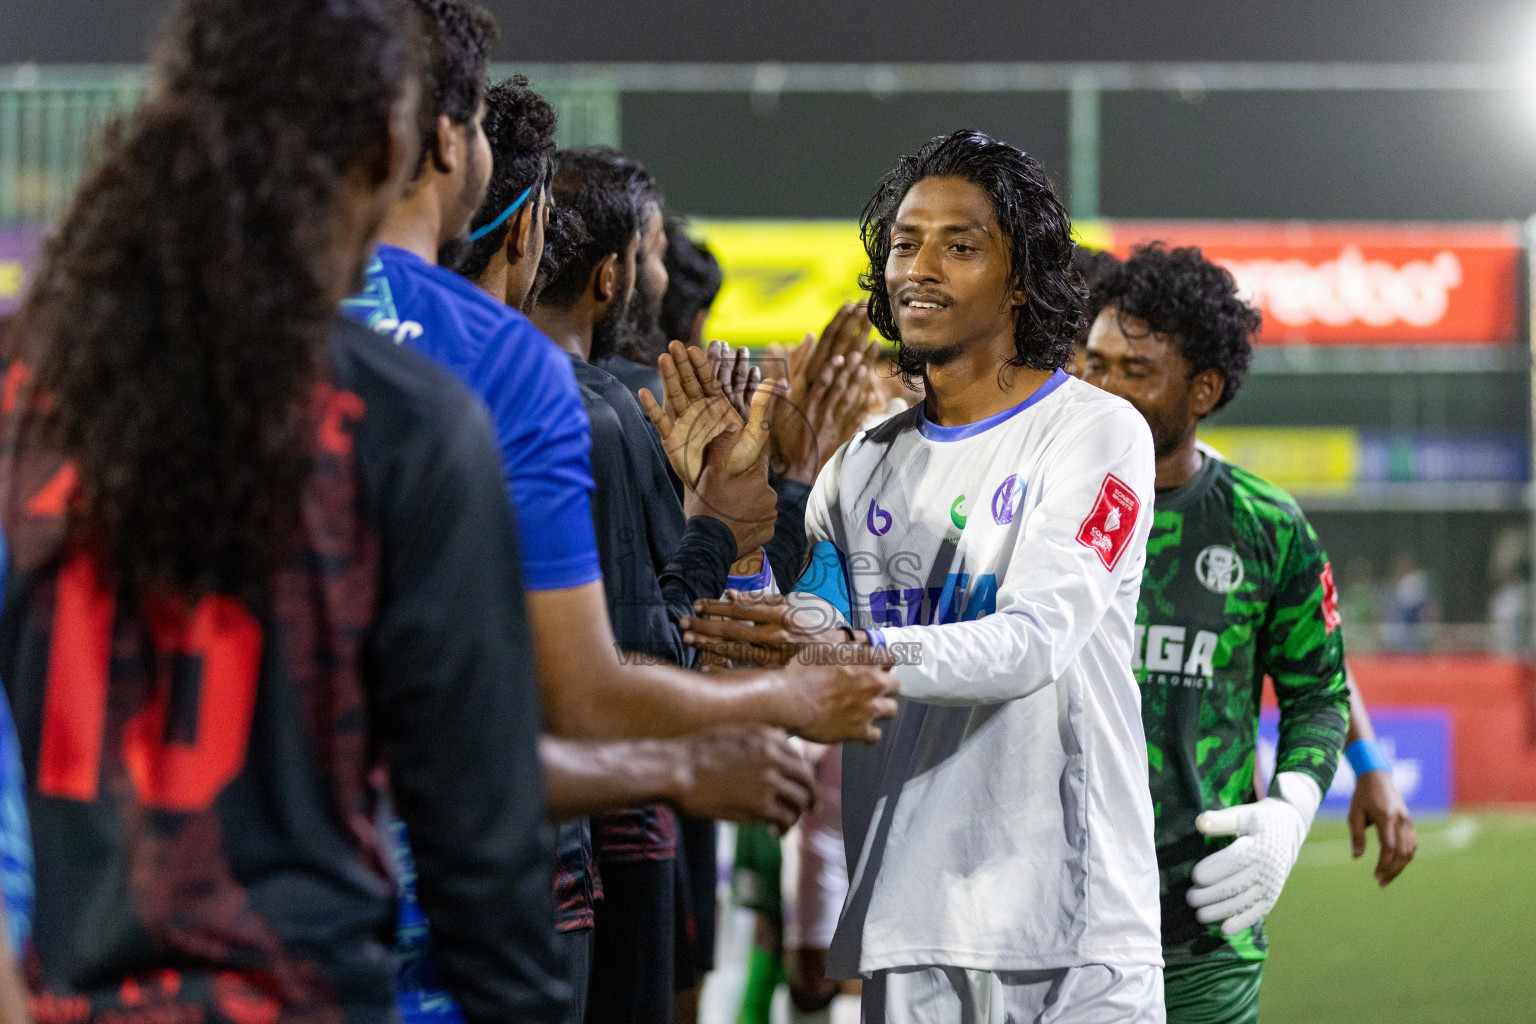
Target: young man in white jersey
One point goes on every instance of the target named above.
(999, 837)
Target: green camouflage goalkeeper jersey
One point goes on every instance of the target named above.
(1236, 587)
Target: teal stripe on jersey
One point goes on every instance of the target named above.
(827, 577)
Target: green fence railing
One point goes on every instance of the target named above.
(51, 120)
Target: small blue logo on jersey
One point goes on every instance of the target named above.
(1005, 500)
(878, 520)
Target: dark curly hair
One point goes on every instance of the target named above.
(605, 193)
(457, 37)
(564, 237)
(693, 280)
(520, 126)
(1036, 225)
(1186, 297)
(1095, 265)
(179, 318)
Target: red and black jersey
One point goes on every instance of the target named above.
(204, 779)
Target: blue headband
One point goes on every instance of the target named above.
(499, 221)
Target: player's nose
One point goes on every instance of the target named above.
(925, 265)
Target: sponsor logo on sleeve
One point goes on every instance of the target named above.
(1111, 522)
(1331, 617)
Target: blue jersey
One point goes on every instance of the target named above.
(527, 384)
(15, 833)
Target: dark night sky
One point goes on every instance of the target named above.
(746, 30)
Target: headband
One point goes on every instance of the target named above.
(499, 221)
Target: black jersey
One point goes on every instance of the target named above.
(656, 563)
(204, 781)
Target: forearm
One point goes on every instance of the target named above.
(1313, 724)
(13, 991)
(590, 693)
(1359, 718)
(585, 778)
(698, 569)
(786, 551)
(1005, 656)
(616, 701)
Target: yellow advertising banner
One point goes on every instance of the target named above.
(13, 273)
(1310, 460)
(782, 278)
(786, 277)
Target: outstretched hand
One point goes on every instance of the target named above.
(1377, 802)
(747, 773)
(1239, 884)
(840, 703)
(736, 374)
(697, 410)
(733, 486)
(829, 380)
(763, 629)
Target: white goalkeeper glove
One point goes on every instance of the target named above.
(1240, 884)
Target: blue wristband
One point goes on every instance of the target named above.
(1366, 756)
(749, 584)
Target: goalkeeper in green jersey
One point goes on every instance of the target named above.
(1236, 587)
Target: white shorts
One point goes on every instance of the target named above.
(1093, 994)
(820, 881)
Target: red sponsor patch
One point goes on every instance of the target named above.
(1110, 524)
(1331, 617)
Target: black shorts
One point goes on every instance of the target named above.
(633, 944)
(577, 946)
(696, 906)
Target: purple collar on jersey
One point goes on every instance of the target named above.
(934, 432)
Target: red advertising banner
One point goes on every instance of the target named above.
(1362, 284)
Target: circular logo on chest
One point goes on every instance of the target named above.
(1219, 569)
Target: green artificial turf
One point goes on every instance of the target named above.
(1453, 939)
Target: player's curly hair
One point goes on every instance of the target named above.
(180, 315)
(1036, 225)
(456, 39)
(599, 196)
(1183, 295)
(1094, 265)
(564, 236)
(520, 126)
(693, 280)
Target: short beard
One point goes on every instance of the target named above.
(609, 329)
(471, 198)
(453, 251)
(914, 362)
(1167, 434)
(640, 338)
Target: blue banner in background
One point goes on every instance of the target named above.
(1416, 740)
(1441, 458)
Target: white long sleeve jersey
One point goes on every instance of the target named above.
(1003, 822)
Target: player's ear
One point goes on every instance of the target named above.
(402, 155)
(1018, 297)
(605, 278)
(520, 231)
(448, 146)
(1205, 390)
